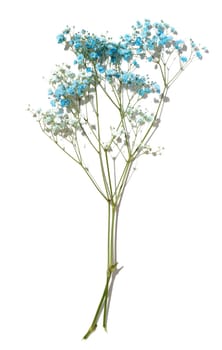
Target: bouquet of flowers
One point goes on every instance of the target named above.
(107, 139)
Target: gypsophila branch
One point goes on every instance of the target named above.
(115, 73)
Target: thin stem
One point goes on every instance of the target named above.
(93, 326)
(175, 77)
(112, 254)
(93, 181)
(112, 232)
(121, 180)
(111, 267)
(108, 172)
(108, 237)
(109, 97)
(114, 172)
(106, 302)
(88, 138)
(100, 146)
(124, 180)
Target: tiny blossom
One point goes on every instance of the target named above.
(53, 103)
(140, 121)
(71, 90)
(183, 58)
(198, 54)
(178, 44)
(66, 30)
(60, 38)
(156, 87)
(112, 73)
(143, 92)
(60, 111)
(136, 64)
(48, 119)
(80, 58)
(65, 102)
(101, 69)
(60, 91)
(93, 55)
(127, 37)
(57, 120)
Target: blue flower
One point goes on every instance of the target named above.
(93, 55)
(156, 87)
(113, 59)
(66, 30)
(173, 30)
(50, 92)
(70, 90)
(77, 45)
(80, 58)
(60, 91)
(81, 88)
(91, 43)
(65, 102)
(159, 27)
(198, 54)
(150, 44)
(127, 56)
(139, 51)
(88, 69)
(127, 37)
(136, 64)
(138, 41)
(127, 78)
(126, 53)
(183, 58)
(60, 38)
(53, 103)
(112, 73)
(138, 24)
(100, 68)
(178, 44)
(111, 49)
(164, 39)
(144, 91)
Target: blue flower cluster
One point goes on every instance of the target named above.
(91, 48)
(100, 59)
(153, 41)
(150, 41)
(67, 89)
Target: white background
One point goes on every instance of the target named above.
(53, 223)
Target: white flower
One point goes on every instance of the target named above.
(57, 120)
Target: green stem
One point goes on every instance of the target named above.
(100, 147)
(108, 172)
(93, 326)
(106, 301)
(111, 267)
